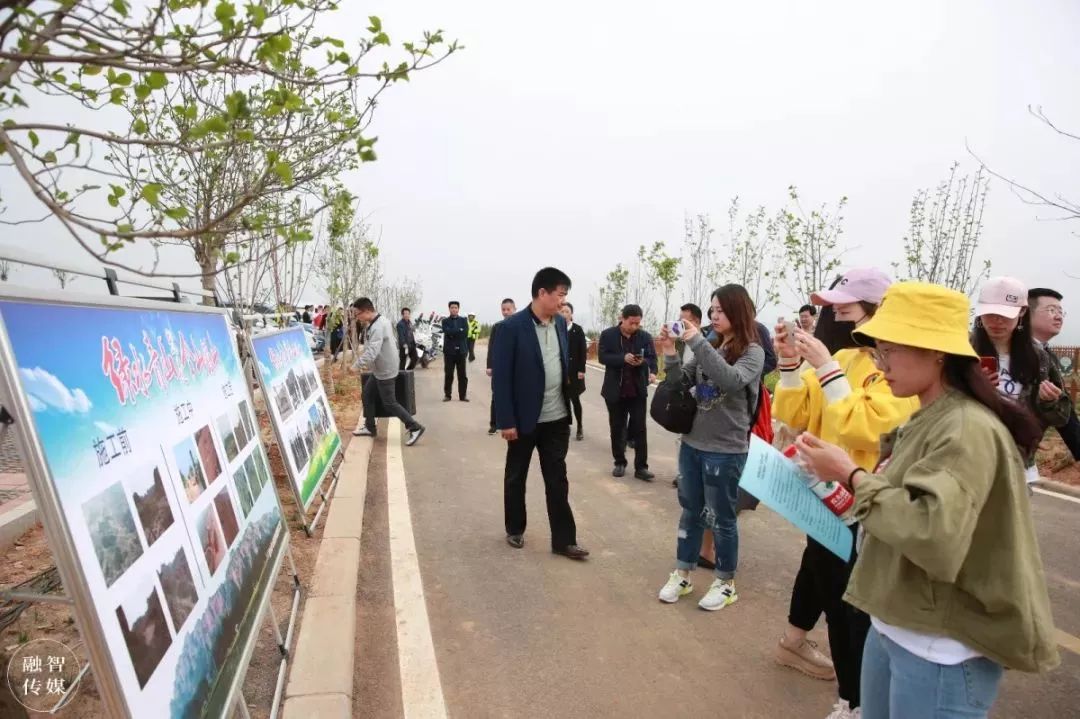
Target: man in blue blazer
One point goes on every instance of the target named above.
(530, 373)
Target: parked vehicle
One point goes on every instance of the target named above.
(429, 341)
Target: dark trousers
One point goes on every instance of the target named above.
(336, 338)
(819, 587)
(385, 390)
(407, 352)
(575, 402)
(492, 424)
(1070, 434)
(450, 363)
(551, 440)
(472, 348)
(627, 420)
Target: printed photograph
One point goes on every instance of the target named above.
(245, 417)
(263, 468)
(191, 474)
(282, 399)
(151, 504)
(238, 428)
(298, 448)
(224, 429)
(178, 586)
(309, 437)
(324, 415)
(312, 382)
(243, 490)
(227, 515)
(146, 633)
(112, 532)
(294, 388)
(213, 544)
(253, 477)
(209, 454)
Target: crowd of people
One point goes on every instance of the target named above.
(930, 423)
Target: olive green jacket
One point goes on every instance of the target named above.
(950, 544)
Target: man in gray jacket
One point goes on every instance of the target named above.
(380, 357)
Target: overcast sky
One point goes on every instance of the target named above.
(571, 133)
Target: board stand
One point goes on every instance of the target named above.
(326, 494)
(284, 643)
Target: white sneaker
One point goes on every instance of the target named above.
(363, 432)
(414, 435)
(720, 594)
(677, 586)
(842, 710)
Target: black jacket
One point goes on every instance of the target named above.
(613, 357)
(491, 342)
(455, 335)
(579, 348)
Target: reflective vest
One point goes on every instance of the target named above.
(474, 329)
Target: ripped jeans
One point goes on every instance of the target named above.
(708, 494)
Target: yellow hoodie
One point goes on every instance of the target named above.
(846, 402)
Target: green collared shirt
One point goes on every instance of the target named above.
(554, 406)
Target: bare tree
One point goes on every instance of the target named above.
(662, 270)
(64, 278)
(5, 270)
(699, 257)
(944, 233)
(748, 254)
(812, 249)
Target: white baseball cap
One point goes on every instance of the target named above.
(1005, 296)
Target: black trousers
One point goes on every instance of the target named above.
(551, 440)
(450, 363)
(407, 352)
(627, 420)
(1070, 434)
(472, 350)
(575, 402)
(819, 587)
(492, 424)
(386, 391)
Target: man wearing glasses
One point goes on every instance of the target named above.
(1047, 319)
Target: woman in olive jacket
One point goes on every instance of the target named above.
(949, 571)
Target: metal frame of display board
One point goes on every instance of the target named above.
(15, 404)
(327, 492)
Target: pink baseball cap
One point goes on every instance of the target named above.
(867, 284)
(1005, 296)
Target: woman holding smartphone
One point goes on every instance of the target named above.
(724, 374)
(1021, 370)
(949, 571)
(844, 399)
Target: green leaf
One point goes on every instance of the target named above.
(118, 190)
(121, 7)
(139, 126)
(117, 95)
(225, 12)
(150, 192)
(245, 136)
(33, 139)
(142, 91)
(157, 80)
(176, 213)
(367, 155)
(284, 172)
(256, 14)
(123, 79)
(376, 24)
(381, 39)
(113, 201)
(50, 158)
(91, 70)
(231, 258)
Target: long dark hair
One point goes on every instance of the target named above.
(1023, 359)
(965, 375)
(736, 303)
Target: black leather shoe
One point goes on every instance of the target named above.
(491, 430)
(580, 434)
(516, 541)
(619, 471)
(446, 399)
(573, 552)
(644, 475)
(464, 399)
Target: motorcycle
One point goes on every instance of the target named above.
(428, 336)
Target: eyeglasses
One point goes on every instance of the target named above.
(1052, 311)
(881, 357)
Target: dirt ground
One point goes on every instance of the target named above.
(1055, 462)
(31, 555)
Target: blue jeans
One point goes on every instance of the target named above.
(896, 684)
(708, 494)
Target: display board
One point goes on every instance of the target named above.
(299, 410)
(136, 423)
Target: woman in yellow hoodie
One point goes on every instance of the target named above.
(844, 399)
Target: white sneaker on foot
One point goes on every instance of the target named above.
(363, 432)
(677, 586)
(414, 435)
(720, 594)
(842, 710)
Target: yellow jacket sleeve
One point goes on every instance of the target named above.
(797, 400)
(868, 409)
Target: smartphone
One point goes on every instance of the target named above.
(790, 327)
(989, 364)
(676, 328)
(641, 352)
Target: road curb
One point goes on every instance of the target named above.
(1059, 487)
(318, 687)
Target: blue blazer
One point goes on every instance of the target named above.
(517, 371)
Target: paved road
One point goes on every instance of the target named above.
(525, 633)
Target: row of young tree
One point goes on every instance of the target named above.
(221, 128)
(781, 256)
